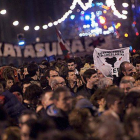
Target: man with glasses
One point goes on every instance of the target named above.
(57, 82)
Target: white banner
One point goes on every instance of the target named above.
(112, 58)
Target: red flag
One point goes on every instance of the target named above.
(62, 44)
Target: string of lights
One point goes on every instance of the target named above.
(110, 3)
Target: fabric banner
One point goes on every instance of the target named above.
(112, 58)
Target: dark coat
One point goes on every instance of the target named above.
(12, 106)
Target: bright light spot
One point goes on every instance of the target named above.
(118, 24)
(44, 26)
(125, 12)
(130, 48)
(26, 28)
(72, 17)
(82, 12)
(21, 43)
(104, 11)
(15, 23)
(82, 18)
(3, 12)
(126, 35)
(105, 27)
(36, 28)
(124, 17)
(50, 24)
(102, 20)
(38, 40)
(55, 23)
(125, 5)
(87, 17)
(137, 34)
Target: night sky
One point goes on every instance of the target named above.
(32, 13)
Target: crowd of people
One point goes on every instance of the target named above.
(70, 100)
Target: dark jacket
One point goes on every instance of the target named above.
(12, 106)
(59, 117)
(86, 92)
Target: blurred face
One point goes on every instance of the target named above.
(129, 70)
(93, 79)
(61, 82)
(71, 66)
(25, 72)
(100, 75)
(46, 101)
(25, 86)
(9, 83)
(125, 87)
(19, 96)
(53, 74)
(25, 131)
(136, 129)
(72, 76)
(117, 106)
(64, 102)
(138, 68)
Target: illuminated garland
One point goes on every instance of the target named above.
(110, 3)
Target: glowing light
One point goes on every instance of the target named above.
(125, 5)
(36, 28)
(102, 20)
(104, 11)
(3, 12)
(55, 23)
(50, 24)
(105, 7)
(125, 12)
(105, 27)
(130, 48)
(45, 26)
(87, 17)
(21, 43)
(82, 12)
(26, 28)
(137, 34)
(118, 24)
(15, 23)
(126, 35)
(134, 51)
(72, 17)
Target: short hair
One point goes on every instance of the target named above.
(113, 94)
(3, 83)
(57, 92)
(133, 116)
(98, 95)
(70, 60)
(47, 72)
(16, 88)
(103, 82)
(122, 67)
(88, 73)
(67, 74)
(127, 82)
(33, 93)
(32, 69)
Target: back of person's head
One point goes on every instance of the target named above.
(88, 73)
(32, 69)
(104, 83)
(57, 92)
(11, 133)
(33, 93)
(132, 123)
(113, 94)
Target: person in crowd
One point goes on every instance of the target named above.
(73, 82)
(126, 86)
(11, 133)
(32, 96)
(57, 82)
(25, 84)
(105, 83)
(25, 71)
(91, 79)
(72, 66)
(50, 74)
(98, 100)
(25, 116)
(9, 82)
(132, 124)
(33, 72)
(114, 100)
(59, 111)
(129, 78)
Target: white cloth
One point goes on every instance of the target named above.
(112, 58)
